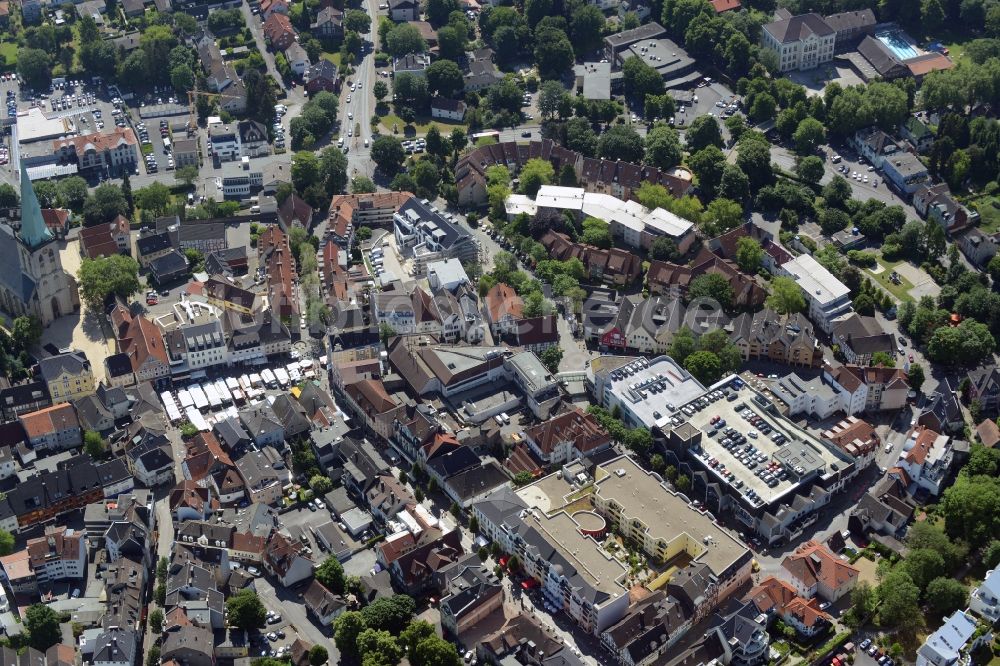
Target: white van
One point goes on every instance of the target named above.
(498, 419)
(505, 417)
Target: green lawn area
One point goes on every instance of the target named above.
(421, 124)
(9, 52)
(902, 290)
(332, 57)
(989, 214)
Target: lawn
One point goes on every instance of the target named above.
(332, 57)
(902, 290)
(420, 125)
(989, 213)
(9, 52)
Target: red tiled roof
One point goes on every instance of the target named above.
(814, 563)
(576, 426)
(49, 420)
(721, 6)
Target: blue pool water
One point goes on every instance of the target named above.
(898, 44)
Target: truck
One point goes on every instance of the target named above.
(246, 163)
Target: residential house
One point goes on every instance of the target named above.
(105, 240)
(786, 339)
(953, 642)
(978, 247)
(566, 437)
(283, 559)
(152, 462)
(941, 411)
(370, 402)
(322, 75)
(168, 268)
(17, 399)
(411, 63)
(855, 437)
(263, 483)
(613, 265)
(115, 646)
(935, 202)
(886, 509)
(298, 59)
(988, 433)
(985, 599)
(114, 151)
(268, 7)
(55, 428)
(984, 386)
(68, 376)
(404, 11)
(815, 571)
(415, 572)
(294, 212)
(927, 458)
(448, 109)
(858, 337)
(329, 24)
(503, 308)
(279, 32)
(868, 389)
(672, 279)
(322, 604)
(777, 599)
(470, 593)
(917, 132)
(190, 644)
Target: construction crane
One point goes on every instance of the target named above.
(193, 95)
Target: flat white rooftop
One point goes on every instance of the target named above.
(34, 126)
(816, 281)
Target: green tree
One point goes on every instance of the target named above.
(444, 78)
(640, 79)
(621, 143)
(380, 89)
(551, 357)
(663, 146)
(721, 216)
(156, 621)
(946, 595)
(899, 597)
(98, 278)
(664, 249)
(704, 365)
(346, 629)
(786, 296)
(810, 169)
(403, 39)
(596, 232)
(915, 376)
(320, 485)
(26, 332)
(749, 254)
(33, 66)
(378, 647)
(246, 610)
(708, 165)
(523, 479)
(391, 614)
(153, 656)
(434, 651)
(72, 192)
(155, 198)
(586, 28)
(535, 173)
(6, 542)
(94, 444)
(808, 136)
(42, 624)
(105, 204)
(387, 152)
(703, 132)
(713, 286)
(318, 655)
(187, 174)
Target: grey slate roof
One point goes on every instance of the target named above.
(799, 27)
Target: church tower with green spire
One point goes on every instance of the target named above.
(34, 233)
(32, 279)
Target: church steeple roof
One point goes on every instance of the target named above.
(33, 229)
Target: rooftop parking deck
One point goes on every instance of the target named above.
(743, 445)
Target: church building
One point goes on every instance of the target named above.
(32, 279)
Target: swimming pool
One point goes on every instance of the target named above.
(898, 44)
